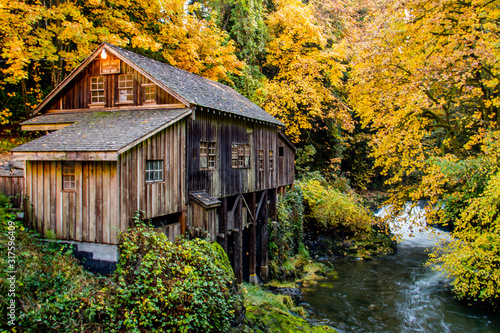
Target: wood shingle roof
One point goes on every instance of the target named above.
(196, 89)
(106, 131)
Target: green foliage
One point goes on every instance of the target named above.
(53, 293)
(267, 312)
(286, 236)
(185, 286)
(159, 286)
(471, 204)
(331, 210)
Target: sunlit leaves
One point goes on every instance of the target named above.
(60, 36)
(305, 71)
(426, 79)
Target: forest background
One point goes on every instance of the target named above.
(381, 94)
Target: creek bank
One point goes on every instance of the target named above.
(270, 312)
(379, 242)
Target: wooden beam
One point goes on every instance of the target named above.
(238, 243)
(264, 269)
(67, 156)
(257, 212)
(223, 223)
(253, 246)
(44, 127)
(183, 222)
(121, 108)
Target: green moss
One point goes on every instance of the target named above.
(267, 312)
(263, 320)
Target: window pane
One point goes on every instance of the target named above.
(203, 161)
(154, 171)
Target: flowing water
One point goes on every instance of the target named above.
(397, 293)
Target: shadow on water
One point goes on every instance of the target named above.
(395, 294)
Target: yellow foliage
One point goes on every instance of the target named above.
(308, 71)
(425, 78)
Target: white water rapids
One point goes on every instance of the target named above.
(397, 293)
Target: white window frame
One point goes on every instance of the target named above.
(154, 171)
(97, 91)
(126, 88)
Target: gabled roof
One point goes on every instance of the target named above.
(107, 131)
(190, 89)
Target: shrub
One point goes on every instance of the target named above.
(333, 211)
(286, 236)
(52, 292)
(473, 256)
(186, 286)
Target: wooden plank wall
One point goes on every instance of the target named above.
(77, 94)
(224, 180)
(285, 164)
(159, 198)
(205, 222)
(13, 186)
(88, 214)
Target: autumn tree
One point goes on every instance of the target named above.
(426, 79)
(42, 41)
(305, 71)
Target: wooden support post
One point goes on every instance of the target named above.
(223, 223)
(273, 204)
(253, 246)
(183, 222)
(264, 269)
(238, 243)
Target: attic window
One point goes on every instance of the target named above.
(125, 88)
(281, 151)
(149, 93)
(97, 89)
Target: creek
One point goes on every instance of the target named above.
(397, 293)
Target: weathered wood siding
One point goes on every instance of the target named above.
(77, 95)
(90, 213)
(224, 181)
(205, 222)
(158, 198)
(285, 163)
(13, 186)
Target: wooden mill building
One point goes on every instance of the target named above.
(127, 133)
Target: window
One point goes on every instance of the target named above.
(207, 155)
(271, 160)
(261, 160)
(154, 171)
(97, 89)
(240, 156)
(150, 93)
(281, 151)
(69, 177)
(126, 88)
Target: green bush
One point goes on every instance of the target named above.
(287, 235)
(332, 211)
(52, 292)
(186, 286)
